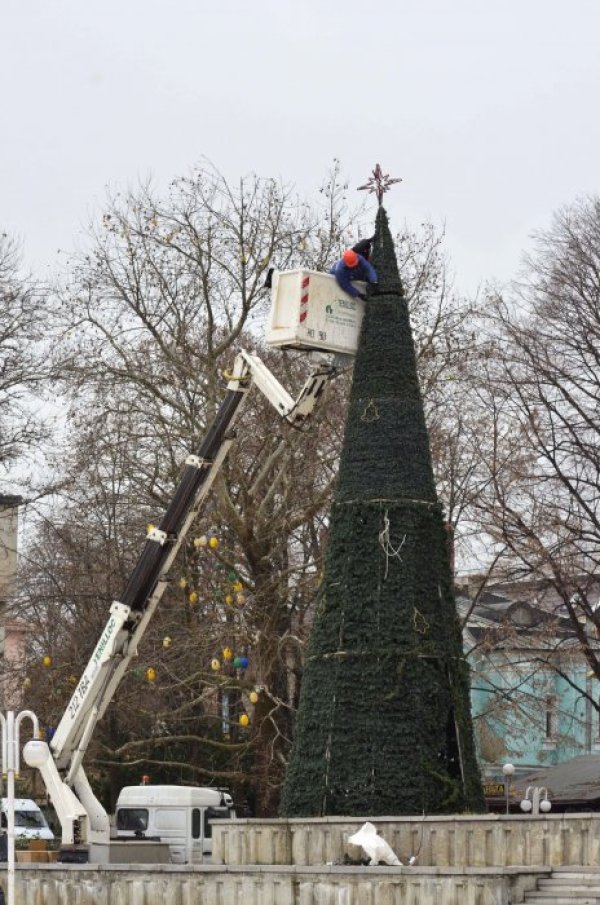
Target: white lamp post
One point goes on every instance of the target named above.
(508, 770)
(11, 725)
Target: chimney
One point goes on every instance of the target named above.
(9, 523)
(13, 632)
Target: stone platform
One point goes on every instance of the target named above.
(262, 885)
(490, 840)
(489, 860)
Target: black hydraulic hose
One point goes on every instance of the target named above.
(149, 566)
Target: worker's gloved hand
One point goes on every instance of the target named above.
(362, 295)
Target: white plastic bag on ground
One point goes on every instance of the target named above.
(374, 845)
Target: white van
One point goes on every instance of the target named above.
(179, 815)
(30, 823)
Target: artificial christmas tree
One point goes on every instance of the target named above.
(384, 723)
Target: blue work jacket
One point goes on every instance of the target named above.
(363, 272)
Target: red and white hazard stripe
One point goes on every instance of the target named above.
(304, 299)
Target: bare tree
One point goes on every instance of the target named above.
(543, 387)
(21, 366)
(147, 323)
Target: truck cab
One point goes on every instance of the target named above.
(30, 823)
(179, 815)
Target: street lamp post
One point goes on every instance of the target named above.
(11, 725)
(508, 770)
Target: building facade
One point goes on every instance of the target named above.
(535, 700)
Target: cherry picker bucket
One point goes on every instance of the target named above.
(309, 311)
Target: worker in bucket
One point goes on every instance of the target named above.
(351, 267)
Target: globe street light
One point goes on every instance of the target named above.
(508, 770)
(534, 803)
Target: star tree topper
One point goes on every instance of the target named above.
(379, 183)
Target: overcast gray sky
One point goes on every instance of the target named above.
(487, 109)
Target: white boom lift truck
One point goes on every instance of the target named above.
(308, 312)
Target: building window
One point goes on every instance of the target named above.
(196, 823)
(551, 718)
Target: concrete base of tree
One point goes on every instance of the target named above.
(490, 841)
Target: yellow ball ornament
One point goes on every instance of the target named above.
(253, 697)
(193, 597)
(182, 583)
(237, 586)
(72, 680)
(227, 654)
(151, 674)
(167, 642)
(244, 719)
(47, 661)
(241, 599)
(229, 599)
(215, 665)
(213, 543)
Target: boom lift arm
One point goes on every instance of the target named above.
(83, 819)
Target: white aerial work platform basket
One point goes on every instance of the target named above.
(310, 311)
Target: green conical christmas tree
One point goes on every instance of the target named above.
(384, 723)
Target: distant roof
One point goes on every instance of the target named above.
(488, 598)
(539, 591)
(576, 780)
(493, 611)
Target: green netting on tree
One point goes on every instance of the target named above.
(384, 722)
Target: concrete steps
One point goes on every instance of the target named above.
(567, 886)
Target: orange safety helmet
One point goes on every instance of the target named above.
(350, 258)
